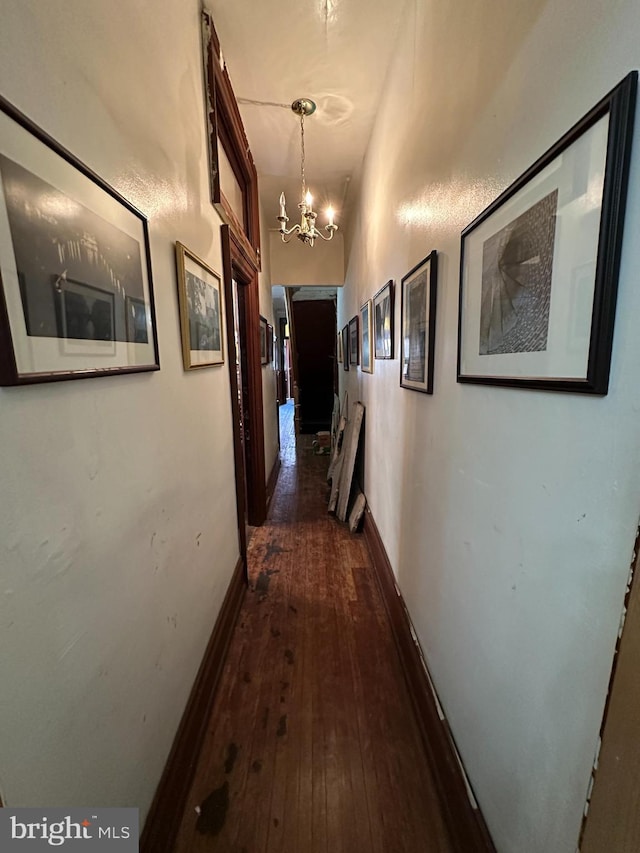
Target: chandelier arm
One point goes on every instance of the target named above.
(320, 234)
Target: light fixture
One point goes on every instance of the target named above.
(306, 231)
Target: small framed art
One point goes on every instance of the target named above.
(383, 321)
(345, 347)
(353, 340)
(366, 338)
(76, 297)
(339, 347)
(418, 325)
(269, 343)
(200, 298)
(539, 267)
(264, 340)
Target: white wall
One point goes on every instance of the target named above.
(295, 264)
(117, 508)
(508, 515)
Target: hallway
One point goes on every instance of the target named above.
(312, 744)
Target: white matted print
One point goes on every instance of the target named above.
(200, 295)
(539, 267)
(72, 253)
(418, 325)
(366, 337)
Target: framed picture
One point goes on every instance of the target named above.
(353, 340)
(76, 296)
(269, 343)
(418, 325)
(339, 347)
(200, 297)
(366, 337)
(345, 346)
(264, 346)
(539, 267)
(383, 321)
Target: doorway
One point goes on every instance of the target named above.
(243, 347)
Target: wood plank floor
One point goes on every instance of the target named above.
(312, 745)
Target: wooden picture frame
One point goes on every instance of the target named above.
(345, 346)
(76, 291)
(264, 338)
(353, 340)
(201, 311)
(539, 267)
(418, 291)
(366, 337)
(383, 321)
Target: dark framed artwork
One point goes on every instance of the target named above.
(418, 325)
(345, 347)
(353, 340)
(76, 295)
(200, 298)
(383, 321)
(539, 267)
(264, 346)
(366, 337)
(339, 347)
(269, 343)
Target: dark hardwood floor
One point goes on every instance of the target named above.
(312, 746)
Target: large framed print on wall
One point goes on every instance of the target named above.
(366, 337)
(76, 296)
(539, 267)
(418, 325)
(383, 321)
(200, 299)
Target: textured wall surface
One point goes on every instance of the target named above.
(117, 509)
(509, 515)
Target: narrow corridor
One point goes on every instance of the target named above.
(312, 744)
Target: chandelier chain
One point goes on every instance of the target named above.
(304, 184)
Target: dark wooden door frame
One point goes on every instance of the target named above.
(249, 464)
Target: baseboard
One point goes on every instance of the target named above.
(465, 822)
(273, 479)
(165, 815)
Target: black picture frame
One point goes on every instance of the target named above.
(75, 259)
(269, 343)
(345, 347)
(264, 341)
(366, 337)
(418, 300)
(539, 267)
(383, 321)
(354, 341)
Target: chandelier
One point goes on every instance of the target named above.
(306, 230)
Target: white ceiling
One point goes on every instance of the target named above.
(335, 52)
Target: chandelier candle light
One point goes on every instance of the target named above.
(306, 231)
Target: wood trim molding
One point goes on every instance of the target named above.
(225, 125)
(237, 264)
(465, 823)
(273, 479)
(163, 821)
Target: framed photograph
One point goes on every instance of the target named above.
(345, 347)
(366, 337)
(200, 297)
(339, 347)
(418, 325)
(353, 340)
(264, 346)
(539, 267)
(269, 343)
(76, 296)
(383, 321)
